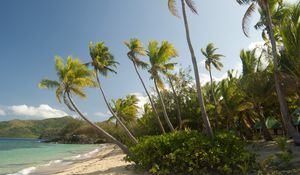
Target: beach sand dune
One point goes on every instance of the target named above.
(109, 161)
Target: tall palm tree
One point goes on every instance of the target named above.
(265, 7)
(159, 57)
(136, 49)
(72, 79)
(173, 10)
(212, 59)
(103, 63)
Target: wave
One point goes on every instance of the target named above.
(53, 164)
(25, 171)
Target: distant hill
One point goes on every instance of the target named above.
(35, 128)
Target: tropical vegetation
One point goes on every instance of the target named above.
(173, 133)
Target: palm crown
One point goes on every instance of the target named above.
(72, 79)
(102, 60)
(136, 49)
(212, 57)
(159, 58)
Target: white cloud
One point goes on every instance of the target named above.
(205, 78)
(256, 44)
(143, 99)
(2, 112)
(41, 112)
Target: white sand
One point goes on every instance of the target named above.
(109, 161)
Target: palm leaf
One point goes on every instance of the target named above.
(246, 19)
(48, 84)
(172, 8)
(191, 5)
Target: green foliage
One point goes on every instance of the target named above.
(192, 152)
(281, 143)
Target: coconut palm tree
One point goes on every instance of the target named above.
(265, 6)
(72, 79)
(173, 10)
(137, 49)
(159, 57)
(212, 59)
(126, 109)
(103, 63)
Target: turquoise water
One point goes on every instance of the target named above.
(24, 156)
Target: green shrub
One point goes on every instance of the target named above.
(281, 143)
(191, 152)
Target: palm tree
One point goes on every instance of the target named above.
(212, 58)
(173, 10)
(126, 109)
(159, 59)
(103, 63)
(136, 49)
(256, 93)
(265, 7)
(72, 79)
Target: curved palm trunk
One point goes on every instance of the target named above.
(112, 112)
(214, 98)
(282, 103)
(164, 107)
(99, 129)
(195, 66)
(149, 97)
(176, 102)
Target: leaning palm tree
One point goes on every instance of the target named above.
(212, 59)
(159, 57)
(265, 7)
(103, 63)
(173, 10)
(72, 79)
(136, 49)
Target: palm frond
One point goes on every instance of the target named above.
(246, 18)
(48, 84)
(172, 8)
(191, 5)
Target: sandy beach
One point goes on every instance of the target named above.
(109, 161)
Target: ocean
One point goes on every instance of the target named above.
(31, 156)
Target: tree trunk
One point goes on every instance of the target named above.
(99, 129)
(282, 102)
(195, 66)
(164, 107)
(150, 99)
(214, 98)
(134, 140)
(262, 120)
(176, 102)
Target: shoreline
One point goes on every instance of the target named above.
(108, 161)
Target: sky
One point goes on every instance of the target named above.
(32, 32)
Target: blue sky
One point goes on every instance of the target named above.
(32, 32)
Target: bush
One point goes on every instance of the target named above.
(191, 152)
